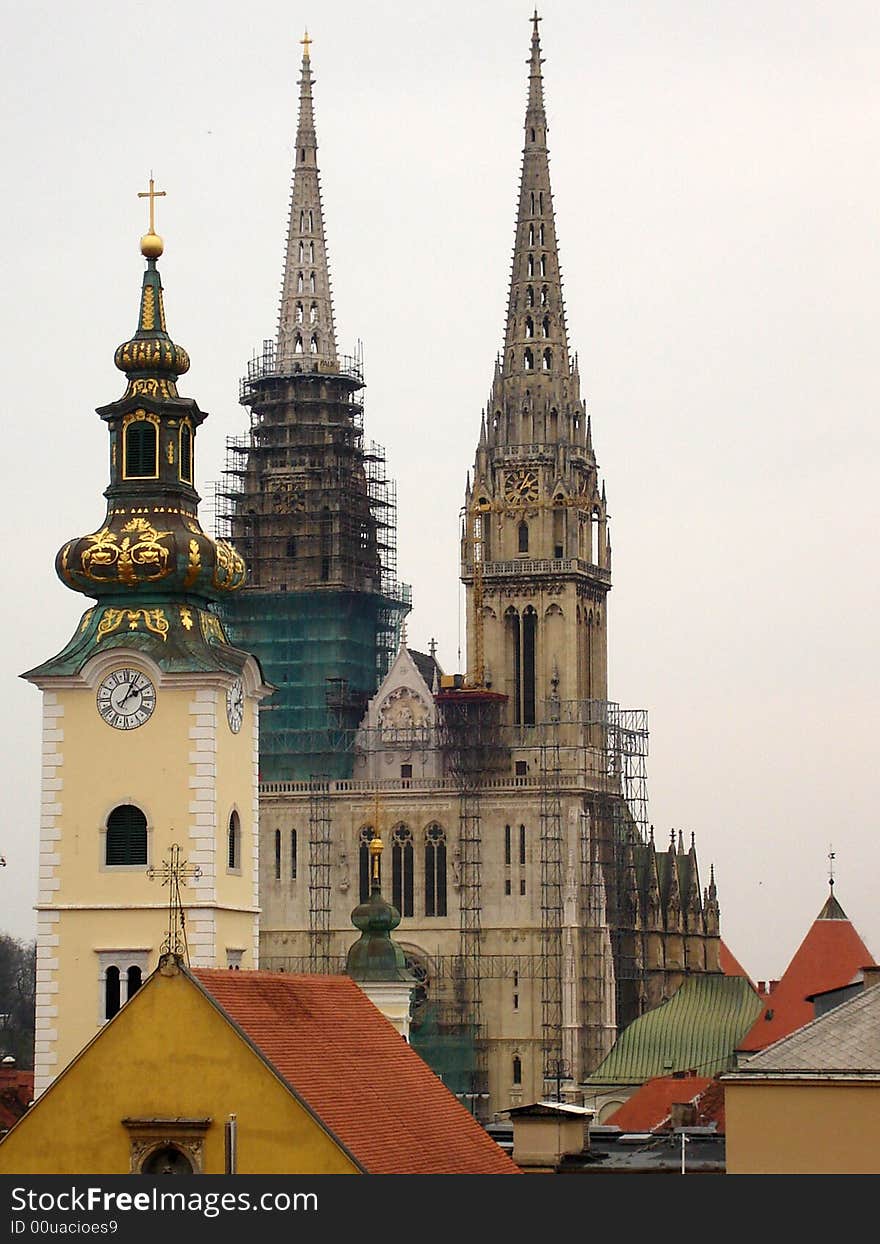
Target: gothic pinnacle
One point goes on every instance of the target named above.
(306, 331)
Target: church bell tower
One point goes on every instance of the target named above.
(150, 724)
(536, 556)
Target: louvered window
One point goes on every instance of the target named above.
(186, 454)
(141, 450)
(126, 836)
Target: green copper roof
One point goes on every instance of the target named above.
(698, 1029)
(375, 956)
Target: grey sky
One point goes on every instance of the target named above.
(715, 177)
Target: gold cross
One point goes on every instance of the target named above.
(151, 194)
(307, 43)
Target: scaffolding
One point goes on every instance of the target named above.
(319, 877)
(582, 766)
(312, 511)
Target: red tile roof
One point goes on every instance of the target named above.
(828, 958)
(650, 1107)
(356, 1073)
(16, 1094)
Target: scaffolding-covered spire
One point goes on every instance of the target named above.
(306, 331)
(535, 338)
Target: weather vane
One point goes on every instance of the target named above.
(831, 859)
(174, 873)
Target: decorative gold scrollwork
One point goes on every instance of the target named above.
(229, 568)
(195, 563)
(139, 555)
(153, 620)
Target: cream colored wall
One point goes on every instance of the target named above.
(801, 1128)
(185, 769)
(169, 1054)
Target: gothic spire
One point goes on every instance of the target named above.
(306, 331)
(536, 337)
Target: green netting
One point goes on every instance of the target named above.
(322, 652)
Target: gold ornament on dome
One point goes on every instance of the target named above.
(211, 628)
(169, 452)
(229, 568)
(149, 307)
(87, 617)
(186, 618)
(138, 556)
(153, 620)
(195, 563)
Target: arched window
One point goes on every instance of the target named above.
(302, 154)
(293, 855)
(233, 842)
(126, 836)
(517, 1069)
(435, 871)
(133, 980)
(543, 265)
(402, 870)
(529, 646)
(313, 313)
(528, 360)
(141, 450)
(311, 252)
(507, 845)
(311, 221)
(313, 284)
(522, 537)
(298, 344)
(298, 313)
(541, 236)
(112, 999)
(300, 282)
(530, 326)
(277, 854)
(543, 295)
(531, 235)
(533, 133)
(366, 837)
(530, 265)
(532, 203)
(302, 251)
(547, 359)
(545, 326)
(185, 456)
(302, 221)
(530, 296)
(541, 202)
(313, 344)
(522, 844)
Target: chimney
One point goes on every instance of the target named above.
(871, 976)
(683, 1114)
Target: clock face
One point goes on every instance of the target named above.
(126, 699)
(235, 706)
(521, 486)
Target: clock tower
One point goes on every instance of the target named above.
(536, 557)
(150, 722)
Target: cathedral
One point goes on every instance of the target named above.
(538, 915)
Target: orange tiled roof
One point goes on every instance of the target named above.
(356, 1073)
(651, 1105)
(828, 958)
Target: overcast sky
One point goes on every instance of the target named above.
(715, 172)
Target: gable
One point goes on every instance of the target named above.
(169, 1054)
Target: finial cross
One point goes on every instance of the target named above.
(151, 194)
(831, 858)
(307, 43)
(174, 873)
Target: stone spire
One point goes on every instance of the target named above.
(535, 311)
(306, 331)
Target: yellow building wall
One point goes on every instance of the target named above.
(169, 1054)
(801, 1128)
(186, 770)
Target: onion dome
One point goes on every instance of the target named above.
(150, 546)
(375, 956)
